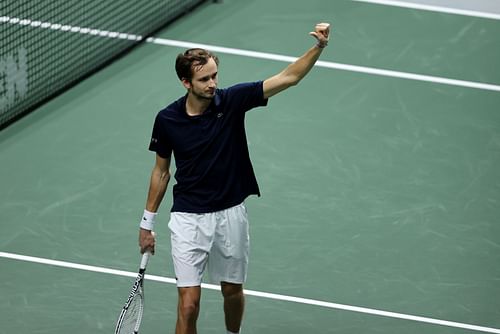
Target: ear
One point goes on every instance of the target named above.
(186, 83)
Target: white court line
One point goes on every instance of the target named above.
(255, 293)
(70, 28)
(251, 54)
(327, 64)
(441, 9)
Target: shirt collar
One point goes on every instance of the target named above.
(215, 104)
(217, 99)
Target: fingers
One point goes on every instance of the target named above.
(323, 26)
(147, 241)
(321, 30)
(321, 33)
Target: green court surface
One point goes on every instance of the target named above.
(378, 192)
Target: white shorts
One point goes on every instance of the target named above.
(218, 240)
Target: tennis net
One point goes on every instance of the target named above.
(47, 46)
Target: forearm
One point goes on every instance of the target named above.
(299, 69)
(157, 187)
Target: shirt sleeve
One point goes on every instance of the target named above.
(159, 141)
(246, 95)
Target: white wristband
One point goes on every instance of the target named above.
(148, 220)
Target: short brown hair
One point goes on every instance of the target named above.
(191, 58)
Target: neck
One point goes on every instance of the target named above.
(196, 105)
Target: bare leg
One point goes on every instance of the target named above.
(188, 309)
(234, 305)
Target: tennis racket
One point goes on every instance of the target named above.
(131, 314)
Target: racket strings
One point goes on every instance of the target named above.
(132, 317)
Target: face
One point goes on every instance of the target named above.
(204, 81)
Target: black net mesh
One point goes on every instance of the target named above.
(47, 46)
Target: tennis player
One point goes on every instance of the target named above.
(205, 131)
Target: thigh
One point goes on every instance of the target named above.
(228, 261)
(191, 241)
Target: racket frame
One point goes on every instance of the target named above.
(136, 288)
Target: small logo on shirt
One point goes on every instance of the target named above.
(219, 115)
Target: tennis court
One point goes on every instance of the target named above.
(379, 173)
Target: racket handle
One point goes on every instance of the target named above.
(145, 259)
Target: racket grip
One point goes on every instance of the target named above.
(145, 259)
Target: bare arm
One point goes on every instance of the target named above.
(158, 183)
(157, 187)
(294, 72)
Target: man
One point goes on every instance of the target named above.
(205, 131)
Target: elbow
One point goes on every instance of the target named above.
(165, 175)
(290, 78)
(293, 80)
(160, 174)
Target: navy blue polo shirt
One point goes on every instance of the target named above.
(213, 167)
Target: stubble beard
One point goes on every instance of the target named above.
(203, 95)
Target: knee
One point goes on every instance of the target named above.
(189, 309)
(230, 290)
(189, 303)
